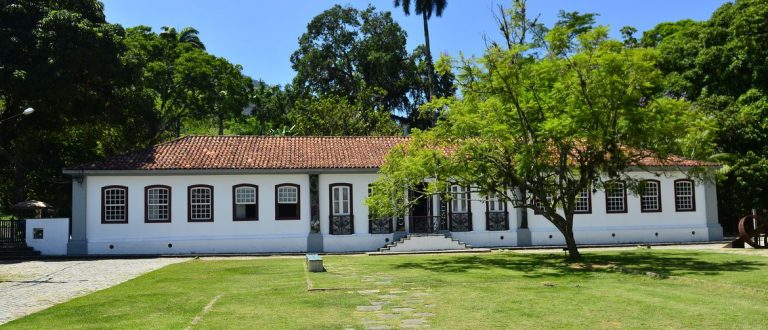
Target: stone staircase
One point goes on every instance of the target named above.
(17, 250)
(425, 242)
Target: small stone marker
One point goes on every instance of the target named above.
(315, 263)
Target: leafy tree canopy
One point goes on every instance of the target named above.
(720, 64)
(184, 81)
(81, 106)
(346, 50)
(549, 127)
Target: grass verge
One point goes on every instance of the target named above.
(628, 289)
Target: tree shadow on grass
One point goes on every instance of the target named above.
(553, 265)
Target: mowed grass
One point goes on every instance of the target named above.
(497, 290)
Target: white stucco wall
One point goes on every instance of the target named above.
(220, 236)
(480, 236)
(635, 226)
(224, 235)
(361, 240)
(55, 234)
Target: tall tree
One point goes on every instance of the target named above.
(720, 64)
(354, 54)
(425, 8)
(43, 50)
(335, 115)
(185, 81)
(187, 35)
(553, 126)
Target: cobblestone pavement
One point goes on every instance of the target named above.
(30, 286)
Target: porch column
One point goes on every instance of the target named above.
(315, 238)
(435, 205)
(710, 198)
(78, 241)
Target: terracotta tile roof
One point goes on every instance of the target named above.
(255, 152)
(674, 161)
(268, 152)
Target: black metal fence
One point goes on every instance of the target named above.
(342, 225)
(13, 231)
(427, 224)
(381, 225)
(496, 221)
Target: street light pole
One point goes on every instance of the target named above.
(26, 112)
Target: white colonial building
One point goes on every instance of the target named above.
(248, 194)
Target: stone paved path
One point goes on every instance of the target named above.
(393, 306)
(30, 286)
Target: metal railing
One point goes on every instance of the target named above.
(495, 221)
(342, 225)
(461, 221)
(381, 225)
(427, 224)
(13, 231)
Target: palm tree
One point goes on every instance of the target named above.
(188, 35)
(425, 8)
(173, 39)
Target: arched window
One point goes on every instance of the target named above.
(459, 215)
(460, 200)
(341, 199)
(157, 203)
(287, 202)
(496, 216)
(200, 203)
(114, 204)
(341, 217)
(650, 197)
(615, 197)
(583, 202)
(685, 196)
(245, 202)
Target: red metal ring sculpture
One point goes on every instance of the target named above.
(752, 228)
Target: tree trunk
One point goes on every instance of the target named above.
(178, 128)
(430, 66)
(19, 179)
(221, 124)
(570, 242)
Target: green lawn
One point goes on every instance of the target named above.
(498, 290)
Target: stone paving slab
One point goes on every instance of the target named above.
(27, 287)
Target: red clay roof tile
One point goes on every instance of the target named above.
(255, 152)
(268, 152)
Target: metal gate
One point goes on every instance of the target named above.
(13, 231)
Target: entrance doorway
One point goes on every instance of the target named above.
(420, 216)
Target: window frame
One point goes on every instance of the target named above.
(234, 201)
(467, 199)
(497, 201)
(330, 198)
(693, 195)
(189, 202)
(658, 196)
(624, 190)
(104, 204)
(500, 202)
(589, 202)
(537, 201)
(146, 203)
(298, 201)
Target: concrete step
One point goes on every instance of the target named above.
(424, 242)
(17, 250)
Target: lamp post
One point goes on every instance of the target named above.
(26, 112)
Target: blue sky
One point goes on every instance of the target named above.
(261, 35)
